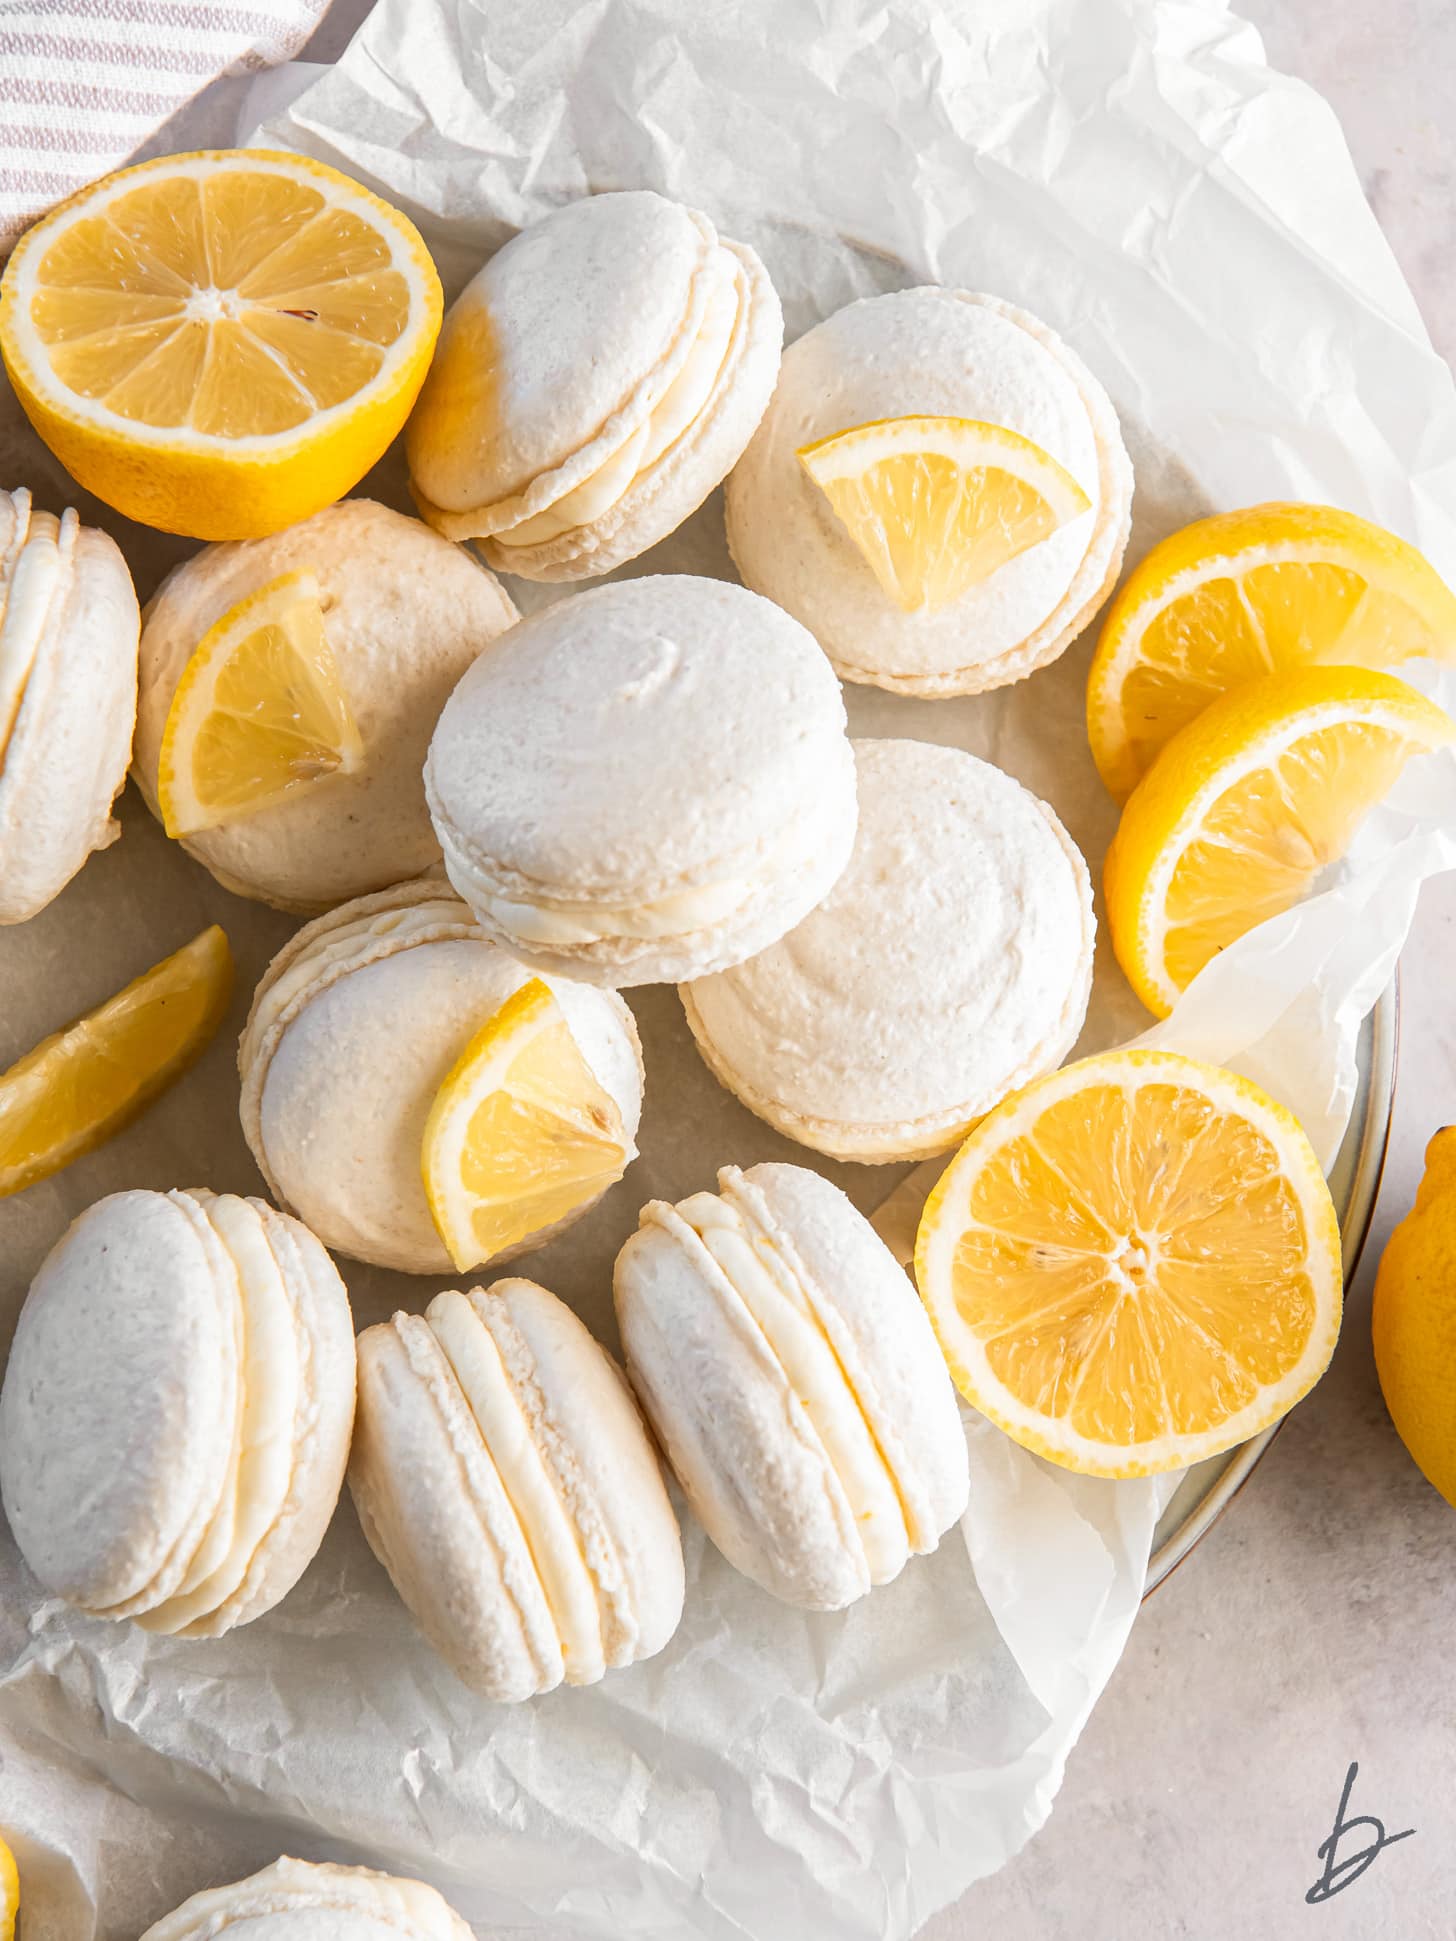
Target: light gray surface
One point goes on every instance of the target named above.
(1314, 1625)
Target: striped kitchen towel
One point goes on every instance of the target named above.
(83, 83)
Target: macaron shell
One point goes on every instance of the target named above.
(66, 758)
(605, 1470)
(120, 1397)
(558, 349)
(739, 1440)
(406, 613)
(938, 352)
(886, 1023)
(880, 1332)
(672, 488)
(432, 1507)
(295, 1901)
(337, 1087)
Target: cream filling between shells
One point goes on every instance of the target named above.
(35, 574)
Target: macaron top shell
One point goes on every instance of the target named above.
(945, 353)
(68, 688)
(504, 1478)
(295, 1901)
(405, 613)
(654, 758)
(793, 1378)
(950, 963)
(592, 384)
(354, 1027)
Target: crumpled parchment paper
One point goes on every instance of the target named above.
(1131, 171)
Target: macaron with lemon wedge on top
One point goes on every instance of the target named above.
(420, 1098)
(939, 491)
(593, 384)
(792, 1377)
(68, 687)
(505, 1480)
(177, 1410)
(294, 1900)
(289, 687)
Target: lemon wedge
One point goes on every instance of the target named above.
(9, 1893)
(222, 343)
(936, 505)
(1246, 594)
(1133, 1264)
(81, 1085)
(521, 1135)
(1246, 806)
(259, 713)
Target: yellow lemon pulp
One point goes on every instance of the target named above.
(220, 344)
(1245, 807)
(1413, 1320)
(9, 1893)
(259, 713)
(521, 1133)
(936, 505)
(1245, 594)
(1133, 1264)
(82, 1084)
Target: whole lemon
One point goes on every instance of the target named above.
(1414, 1320)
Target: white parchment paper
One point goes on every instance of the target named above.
(1191, 222)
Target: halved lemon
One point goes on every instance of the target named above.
(259, 713)
(937, 504)
(219, 344)
(1246, 806)
(1133, 1264)
(521, 1134)
(85, 1083)
(1246, 594)
(9, 1893)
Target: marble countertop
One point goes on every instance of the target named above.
(1312, 1627)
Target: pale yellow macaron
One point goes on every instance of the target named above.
(294, 1900)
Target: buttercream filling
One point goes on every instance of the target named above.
(506, 1429)
(34, 574)
(261, 1470)
(555, 921)
(784, 1312)
(677, 408)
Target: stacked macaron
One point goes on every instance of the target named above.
(68, 690)
(353, 1029)
(505, 1481)
(648, 782)
(177, 1409)
(592, 385)
(294, 1901)
(404, 615)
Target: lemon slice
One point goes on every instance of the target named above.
(936, 505)
(221, 343)
(1133, 1264)
(521, 1134)
(81, 1085)
(259, 712)
(1246, 594)
(9, 1893)
(1246, 806)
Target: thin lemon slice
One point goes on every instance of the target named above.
(1133, 1264)
(1246, 806)
(221, 343)
(259, 713)
(521, 1134)
(937, 504)
(9, 1893)
(81, 1085)
(1246, 594)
